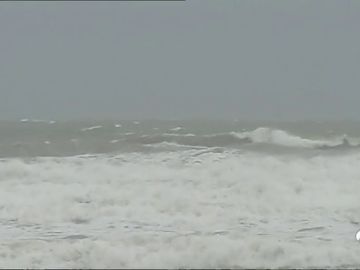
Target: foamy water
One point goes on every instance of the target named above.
(264, 197)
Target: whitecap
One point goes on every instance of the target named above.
(91, 128)
(176, 129)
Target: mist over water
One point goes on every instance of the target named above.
(175, 194)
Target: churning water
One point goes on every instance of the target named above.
(175, 194)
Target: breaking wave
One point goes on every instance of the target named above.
(104, 139)
(261, 135)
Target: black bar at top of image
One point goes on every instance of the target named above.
(93, 0)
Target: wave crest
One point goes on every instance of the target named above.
(261, 135)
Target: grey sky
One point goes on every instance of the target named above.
(237, 59)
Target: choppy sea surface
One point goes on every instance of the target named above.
(179, 194)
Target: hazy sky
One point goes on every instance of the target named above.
(226, 59)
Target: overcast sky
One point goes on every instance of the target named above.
(224, 59)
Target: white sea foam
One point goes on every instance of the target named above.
(179, 135)
(183, 209)
(176, 129)
(276, 136)
(174, 146)
(26, 120)
(91, 128)
(284, 138)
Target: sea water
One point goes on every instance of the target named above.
(179, 194)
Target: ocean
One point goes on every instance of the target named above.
(179, 194)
